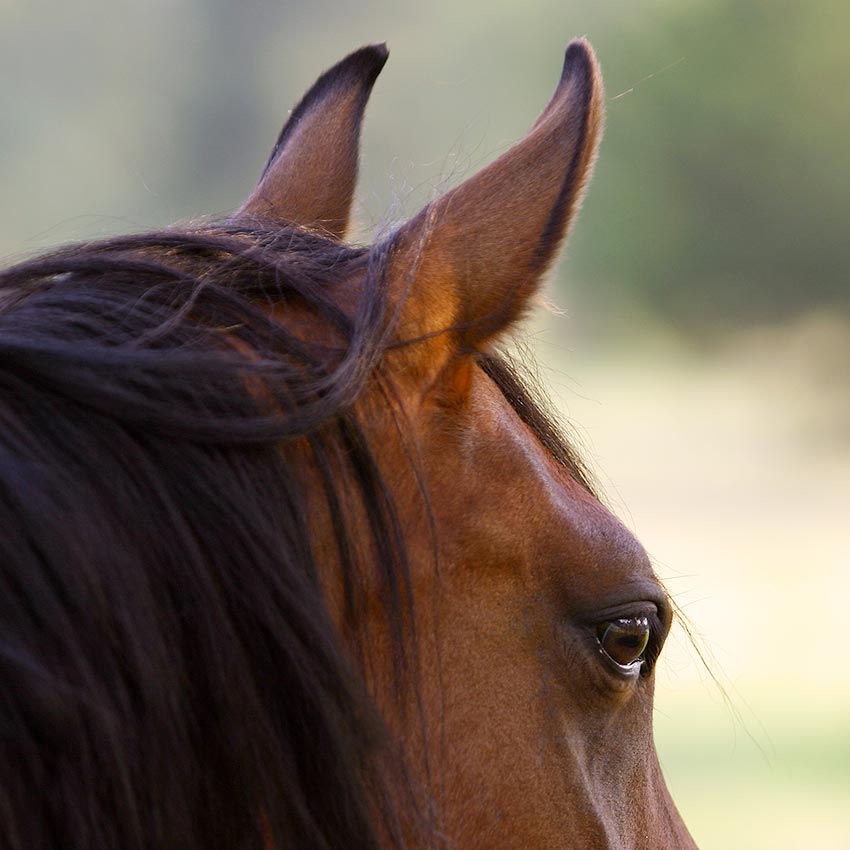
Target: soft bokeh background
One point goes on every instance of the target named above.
(703, 342)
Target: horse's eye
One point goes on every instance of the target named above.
(624, 640)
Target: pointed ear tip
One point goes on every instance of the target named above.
(581, 47)
(580, 58)
(372, 57)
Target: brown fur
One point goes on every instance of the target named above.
(529, 741)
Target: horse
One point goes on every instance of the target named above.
(293, 555)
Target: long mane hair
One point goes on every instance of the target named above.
(170, 675)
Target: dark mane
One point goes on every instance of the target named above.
(161, 617)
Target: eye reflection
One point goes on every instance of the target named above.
(625, 639)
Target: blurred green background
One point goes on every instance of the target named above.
(701, 338)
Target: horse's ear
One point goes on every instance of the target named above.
(310, 176)
(472, 259)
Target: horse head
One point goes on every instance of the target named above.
(297, 559)
(538, 616)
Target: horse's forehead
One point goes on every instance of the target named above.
(531, 505)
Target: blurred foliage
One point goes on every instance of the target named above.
(739, 158)
(721, 195)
